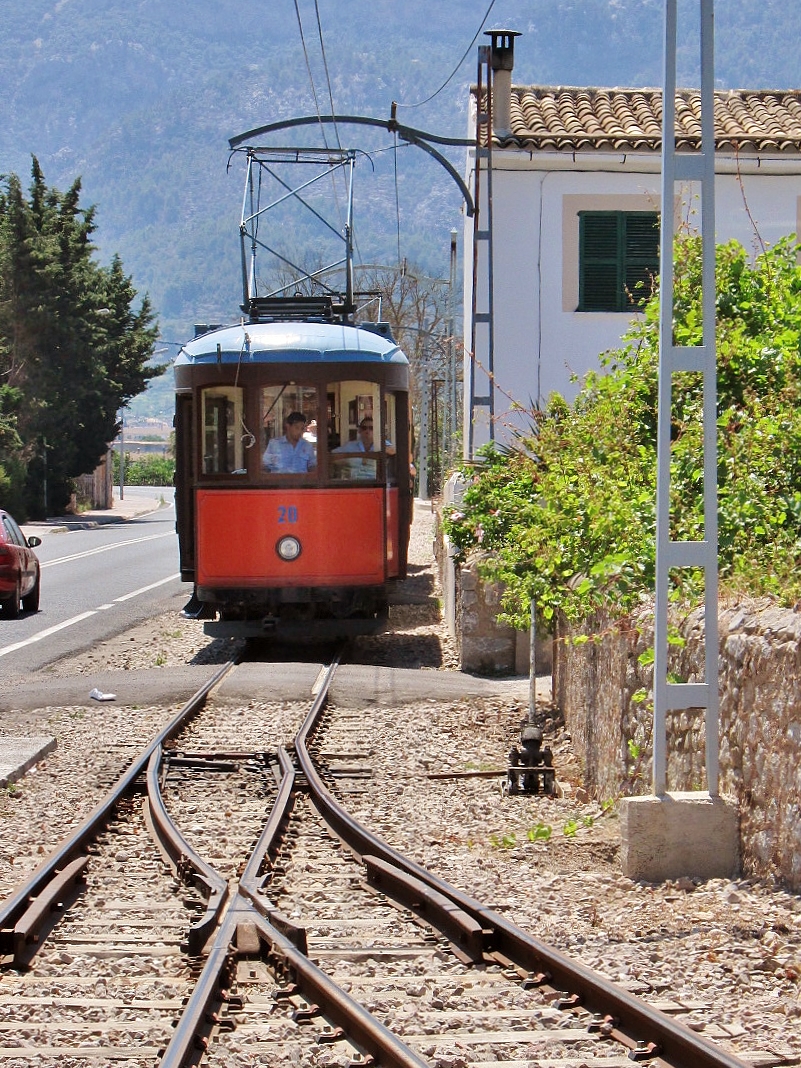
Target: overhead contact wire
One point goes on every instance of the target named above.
(453, 73)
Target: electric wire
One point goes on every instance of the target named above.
(426, 101)
(327, 75)
(311, 75)
(314, 95)
(453, 73)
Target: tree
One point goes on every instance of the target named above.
(73, 348)
(569, 515)
(416, 308)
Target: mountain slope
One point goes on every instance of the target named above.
(141, 98)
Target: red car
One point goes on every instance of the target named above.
(19, 569)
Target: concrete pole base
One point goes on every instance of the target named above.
(681, 834)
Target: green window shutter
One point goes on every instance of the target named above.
(618, 258)
(642, 256)
(600, 244)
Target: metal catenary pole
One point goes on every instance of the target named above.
(698, 168)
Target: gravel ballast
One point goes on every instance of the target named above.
(729, 949)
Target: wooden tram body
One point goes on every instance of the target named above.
(310, 554)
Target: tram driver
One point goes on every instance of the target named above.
(292, 454)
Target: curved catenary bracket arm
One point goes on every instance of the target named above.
(407, 133)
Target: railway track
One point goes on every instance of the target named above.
(223, 909)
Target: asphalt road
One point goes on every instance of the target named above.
(96, 583)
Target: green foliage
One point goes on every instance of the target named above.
(144, 470)
(73, 349)
(508, 840)
(567, 518)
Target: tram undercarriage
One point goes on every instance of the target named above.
(290, 613)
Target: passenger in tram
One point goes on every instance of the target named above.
(364, 443)
(291, 454)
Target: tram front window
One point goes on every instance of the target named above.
(362, 447)
(289, 423)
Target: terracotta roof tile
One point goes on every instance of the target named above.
(566, 119)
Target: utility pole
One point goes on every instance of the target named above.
(675, 361)
(451, 391)
(122, 455)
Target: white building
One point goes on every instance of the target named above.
(573, 224)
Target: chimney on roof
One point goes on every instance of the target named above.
(502, 59)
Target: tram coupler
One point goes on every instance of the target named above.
(531, 768)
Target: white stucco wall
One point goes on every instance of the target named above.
(541, 341)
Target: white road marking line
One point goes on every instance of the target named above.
(144, 589)
(84, 615)
(45, 633)
(106, 548)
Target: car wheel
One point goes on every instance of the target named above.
(30, 602)
(11, 607)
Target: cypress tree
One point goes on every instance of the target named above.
(73, 347)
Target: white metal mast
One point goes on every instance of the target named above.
(698, 168)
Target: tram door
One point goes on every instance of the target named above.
(184, 485)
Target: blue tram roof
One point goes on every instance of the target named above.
(291, 342)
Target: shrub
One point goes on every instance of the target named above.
(145, 470)
(569, 512)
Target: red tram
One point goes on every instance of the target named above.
(290, 522)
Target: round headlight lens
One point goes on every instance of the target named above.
(288, 548)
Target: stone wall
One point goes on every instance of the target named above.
(596, 680)
(487, 647)
(598, 683)
(471, 608)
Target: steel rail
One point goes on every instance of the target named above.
(59, 861)
(187, 863)
(678, 1044)
(189, 1039)
(285, 948)
(252, 883)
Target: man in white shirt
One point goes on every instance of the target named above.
(292, 454)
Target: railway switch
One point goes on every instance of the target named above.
(531, 768)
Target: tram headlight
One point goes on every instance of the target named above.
(288, 548)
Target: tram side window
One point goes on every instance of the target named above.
(289, 428)
(223, 449)
(390, 436)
